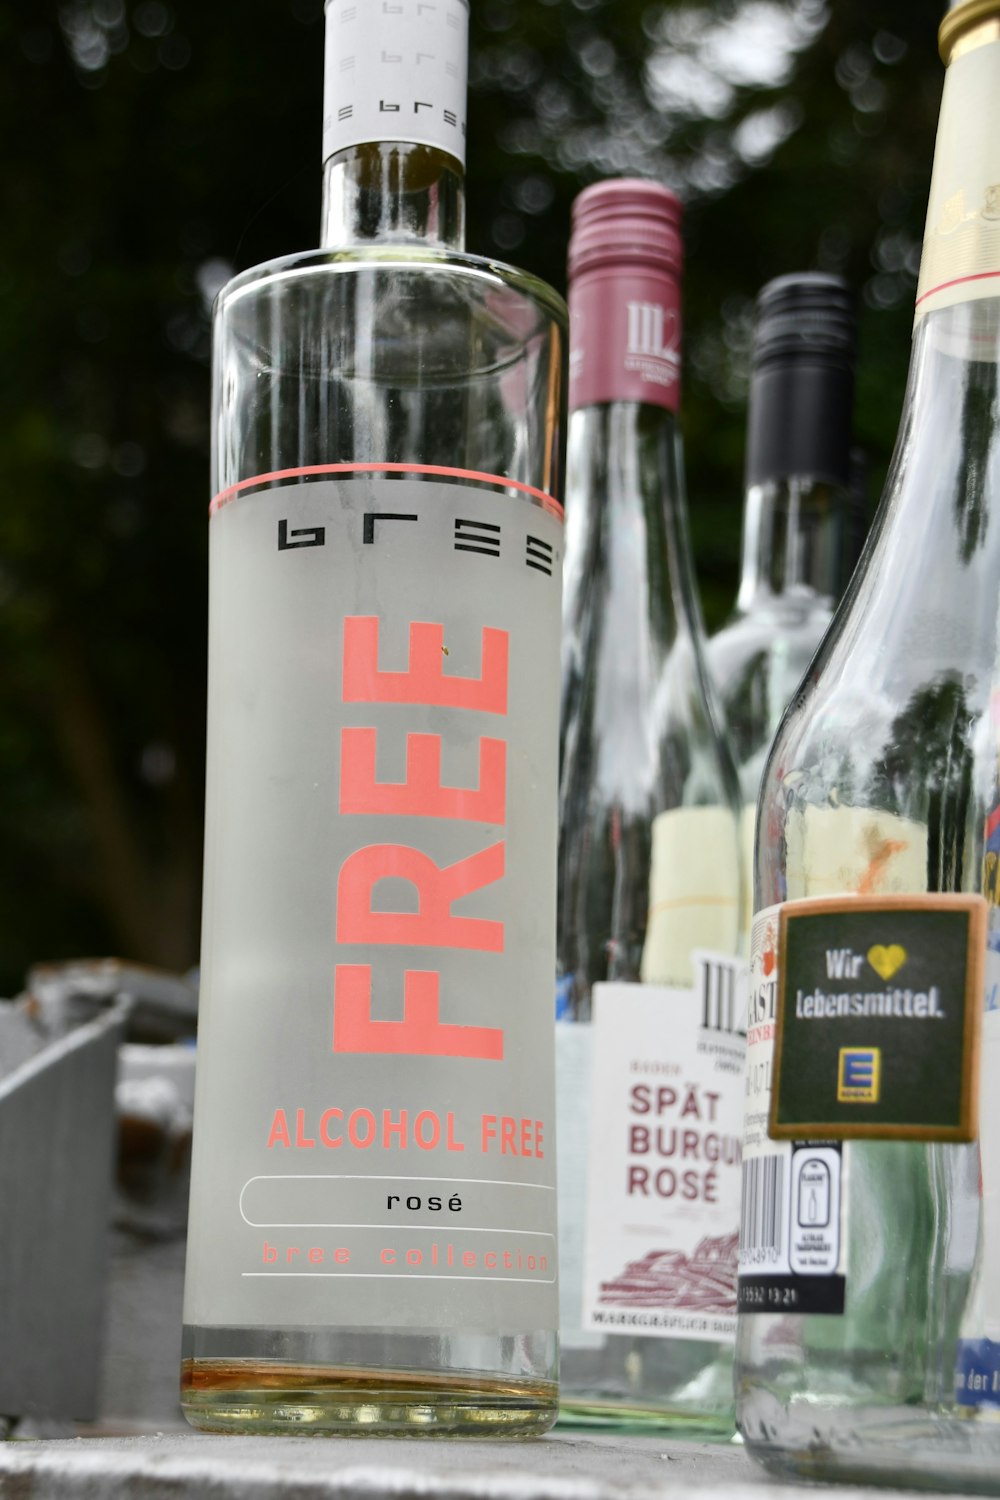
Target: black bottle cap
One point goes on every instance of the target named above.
(802, 387)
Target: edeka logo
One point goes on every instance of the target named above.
(652, 340)
(858, 1074)
(878, 1010)
(433, 924)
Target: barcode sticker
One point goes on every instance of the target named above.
(790, 1254)
(763, 1216)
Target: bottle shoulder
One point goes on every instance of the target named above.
(917, 628)
(426, 264)
(764, 642)
(884, 771)
(796, 612)
(641, 727)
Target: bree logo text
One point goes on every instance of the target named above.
(484, 538)
(421, 795)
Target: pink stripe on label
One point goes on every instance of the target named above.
(549, 502)
(625, 338)
(944, 286)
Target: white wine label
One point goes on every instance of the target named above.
(395, 71)
(792, 1254)
(694, 891)
(374, 1118)
(960, 260)
(664, 1109)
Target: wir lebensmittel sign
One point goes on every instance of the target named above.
(879, 1002)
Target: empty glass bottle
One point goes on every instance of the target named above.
(372, 1244)
(649, 1058)
(869, 1341)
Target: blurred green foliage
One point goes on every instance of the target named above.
(151, 147)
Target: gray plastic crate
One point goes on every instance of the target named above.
(57, 1136)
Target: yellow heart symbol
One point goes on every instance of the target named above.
(885, 961)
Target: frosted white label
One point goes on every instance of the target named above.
(395, 71)
(375, 1117)
(663, 1184)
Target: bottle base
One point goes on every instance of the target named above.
(621, 1416)
(652, 1385)
(252, 1396)
(910, 1446)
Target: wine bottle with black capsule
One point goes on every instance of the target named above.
(372, 1241)
(649, 1001)
(800, 537)
(869, 1338)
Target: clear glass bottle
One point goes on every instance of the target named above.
(872, 1355)
(372, 1243)
(648, 1045)
(798, 537)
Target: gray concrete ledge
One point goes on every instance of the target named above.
(562, 1466)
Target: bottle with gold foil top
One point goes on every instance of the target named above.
(869, 1337)
(649, 1041)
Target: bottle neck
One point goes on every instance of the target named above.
(393, 192)
(639, 736)
(796, 511)
(938, 522)
(794, 542)
(627, 548)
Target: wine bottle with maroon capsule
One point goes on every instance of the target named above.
(869, 1338)
(372, 1240)
(649, 1043)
